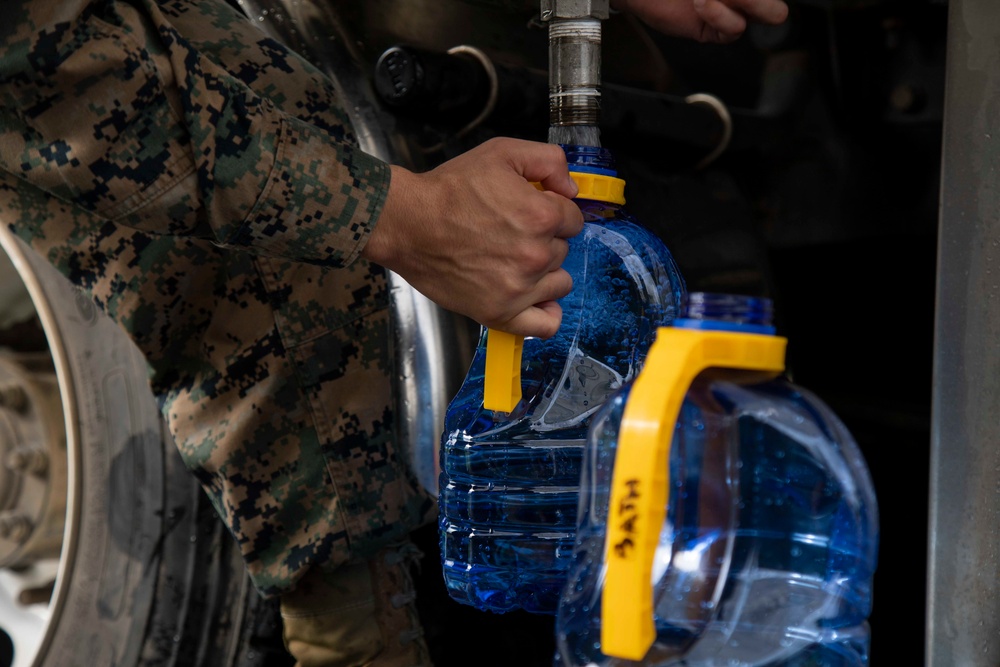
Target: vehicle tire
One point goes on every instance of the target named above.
(147, 574)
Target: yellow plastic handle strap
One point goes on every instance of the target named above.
(640, 482)
(502, 384)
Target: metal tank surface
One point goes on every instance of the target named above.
(963, 578)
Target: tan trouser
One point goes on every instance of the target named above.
(357, 616)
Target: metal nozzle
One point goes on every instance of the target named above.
(574, 69)
(574, 72)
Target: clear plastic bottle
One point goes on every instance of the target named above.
(509, 481)
(765, 552)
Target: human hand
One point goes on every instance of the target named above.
(476, 237)
(719, 21)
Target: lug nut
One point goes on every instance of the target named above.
(39, 595)
(15, 527)
(13, 396)
(26, 459)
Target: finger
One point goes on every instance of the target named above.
(560, 250)
(552, 286)
(727, 22)
(499, 308)
(555, 252)
(545, 164)
(541, 320)
(765, 11)
(571, 218)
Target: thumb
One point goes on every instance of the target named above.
(544, 164)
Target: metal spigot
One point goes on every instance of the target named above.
(574, 69)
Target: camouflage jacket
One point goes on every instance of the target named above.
(200, 182)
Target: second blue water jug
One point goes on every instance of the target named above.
(727, 516)
(509, 479)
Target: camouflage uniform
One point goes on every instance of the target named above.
(201, 183)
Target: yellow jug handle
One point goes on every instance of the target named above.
(502, 383)
(640, 481)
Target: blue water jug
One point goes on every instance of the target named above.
(726, 515)
(509, 479)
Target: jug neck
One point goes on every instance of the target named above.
(590, 160)
(726, 312)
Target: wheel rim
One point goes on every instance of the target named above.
(28, 611)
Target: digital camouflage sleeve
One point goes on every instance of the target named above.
(201, 183)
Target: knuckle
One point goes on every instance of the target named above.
(503, 145)
(508, 291)
(536, 259)
(556, 152)
(493, 315)
(548, 218)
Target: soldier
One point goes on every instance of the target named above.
(201, 183)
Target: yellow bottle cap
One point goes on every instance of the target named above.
(598, 187)
(640, 481)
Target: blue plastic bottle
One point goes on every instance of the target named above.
(509, 481)
(765, 552)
